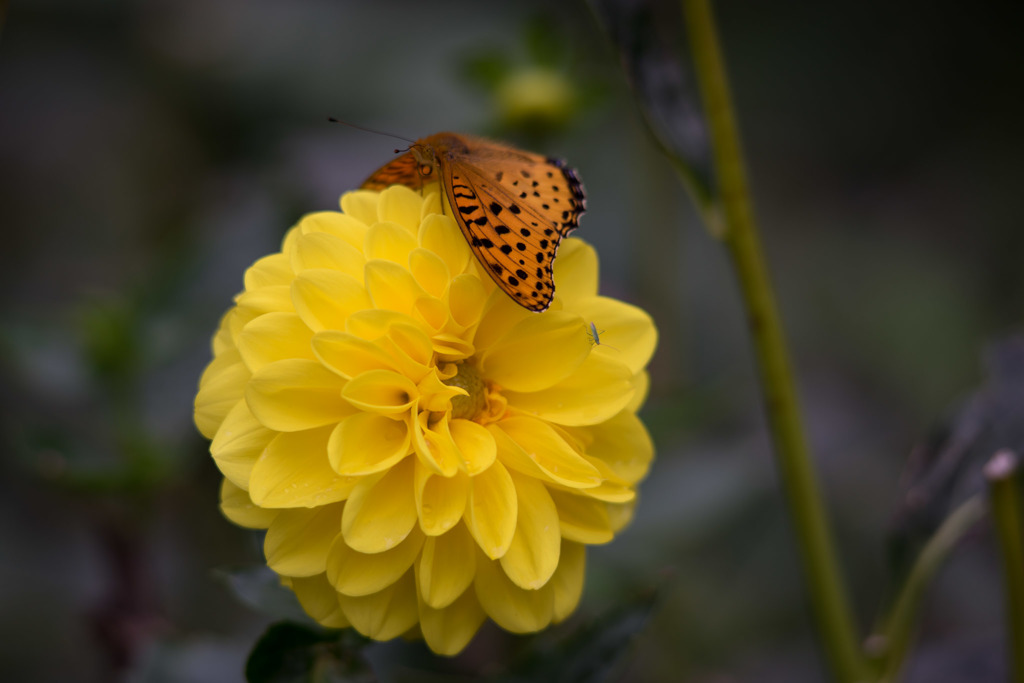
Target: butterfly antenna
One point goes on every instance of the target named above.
(370, 130)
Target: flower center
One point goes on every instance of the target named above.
(468, 377)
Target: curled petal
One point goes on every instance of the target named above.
(381, 391)
(440, 235)
(491, 510)
(623, 444)
(434, 445)
(297, 541)
(430, 271)
(381, 511)
(362, 206)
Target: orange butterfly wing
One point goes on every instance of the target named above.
(402, 170)
(513, 207)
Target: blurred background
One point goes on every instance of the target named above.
(150, 151)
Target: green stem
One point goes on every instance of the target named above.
(1006, 515)
(893, 642)
(828, 598)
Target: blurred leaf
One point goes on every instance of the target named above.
(296, 653)
(650, 40)
(946, 468)
(595, 652)
(260, 588)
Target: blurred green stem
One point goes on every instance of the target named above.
(1006, 516)
(739, 232)
(894, 640)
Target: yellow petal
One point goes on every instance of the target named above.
(597, 390)
(623, 444)
(533, 554)
(269, 271)
(325, 298)
(384, 615)
(537, 352)
(325, 250)
(532, 447)
(431, 201)
(349, 355)
(340, 225)
(491, 510)
(401, 205)
(440, 235)
(318, 597)
(581, 518)
(356, 574)
(410, 348)
(511, 607)
(272, 337)
(446, 567)
(447, 631)
(627, 332)
(641, 385)
(254, 302)
(431, 312)
(361, 205)
(294, 472)
(434, 445)
(239, 443)
(440, 501)
(475, 443)
(292, 395)
(390, 286)
(435, 395)
(381, 511)
(575, 271)
(381, 391)
(297, 541)
(567, 582)
(613, 488)
(389, 241)
(366, 443)
(239, 508)
(466, 299)
(430, 271)
(221, 387)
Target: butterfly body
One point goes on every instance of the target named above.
(513, 207)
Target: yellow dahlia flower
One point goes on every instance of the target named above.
(423, 452)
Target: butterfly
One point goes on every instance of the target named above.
(513, 207)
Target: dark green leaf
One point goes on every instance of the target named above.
(650, 40)
(296, 653)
